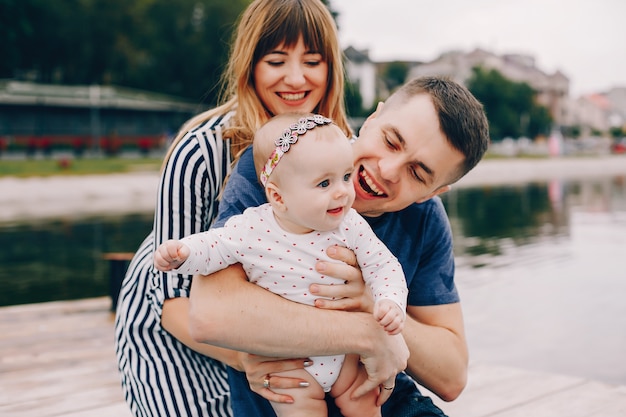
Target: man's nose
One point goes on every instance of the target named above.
(390, 168)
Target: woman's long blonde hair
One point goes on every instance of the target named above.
(263, 26)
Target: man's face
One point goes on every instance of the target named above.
(402, 157)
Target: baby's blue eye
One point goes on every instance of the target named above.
(324, 184)
(346, 177)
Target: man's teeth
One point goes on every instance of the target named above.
(370, 183)
(292, 96)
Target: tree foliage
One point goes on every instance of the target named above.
(175, 47)
(395, 74)
(511, 106)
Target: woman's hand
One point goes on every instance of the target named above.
(354, 295)
(261, 374)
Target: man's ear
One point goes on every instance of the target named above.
(438, 191)
(274, 197)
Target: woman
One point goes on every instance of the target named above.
(285, 58)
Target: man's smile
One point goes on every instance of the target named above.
(368, 184)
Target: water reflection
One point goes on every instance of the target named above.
(540, 270)
(541, 275)
(62, 260)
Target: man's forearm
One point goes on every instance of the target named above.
(228, 311)
(175, 320)
(439, 356)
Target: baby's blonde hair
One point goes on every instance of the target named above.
(265, 138)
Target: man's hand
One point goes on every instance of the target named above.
(354, 295)
(389, 359)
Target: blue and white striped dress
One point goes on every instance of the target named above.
(160, 375)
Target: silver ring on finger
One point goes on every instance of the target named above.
(388, 388)
(266, 381)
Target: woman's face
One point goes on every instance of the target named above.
(291, 79)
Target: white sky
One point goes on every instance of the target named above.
(584, 39)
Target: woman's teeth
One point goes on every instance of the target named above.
(292, 96)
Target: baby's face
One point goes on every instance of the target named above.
(315, 180)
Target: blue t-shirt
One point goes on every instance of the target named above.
(419, 236)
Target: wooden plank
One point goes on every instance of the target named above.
(58, 359)
(61, 405)
(118, 410)
(589, 399)
(509, 392)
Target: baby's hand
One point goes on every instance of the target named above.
(389, 315)
(170, 255)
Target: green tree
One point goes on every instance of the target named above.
(510, 106)
(354, 101)
(617, 132)
(175, 47)
(395, 74)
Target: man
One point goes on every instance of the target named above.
(425, 137)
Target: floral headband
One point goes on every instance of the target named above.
(289, 137)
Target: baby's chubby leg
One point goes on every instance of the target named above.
(352, 375)
(308, 402)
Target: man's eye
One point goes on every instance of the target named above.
(324, 184)
(416, 175)
(389, 143)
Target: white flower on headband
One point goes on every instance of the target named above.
(288, 138)
(320, 120)
(303, 125)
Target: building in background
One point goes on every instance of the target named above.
(597, 112)
(552, 89)
(43, 117)
(362, 73)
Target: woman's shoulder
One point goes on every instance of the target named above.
(213, 126)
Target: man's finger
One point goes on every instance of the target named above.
(383, 396)
(364, 388)
(345, 304)
(342, 254)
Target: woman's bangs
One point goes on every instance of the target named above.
(286, 33)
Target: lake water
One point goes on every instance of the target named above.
(540, 270)
(542, 275)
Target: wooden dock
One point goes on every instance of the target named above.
(57, 359)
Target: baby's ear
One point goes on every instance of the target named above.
(274, 197)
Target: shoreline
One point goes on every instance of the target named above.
(37, 198)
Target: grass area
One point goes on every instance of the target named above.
(69, 166)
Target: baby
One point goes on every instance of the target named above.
(305, 164)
